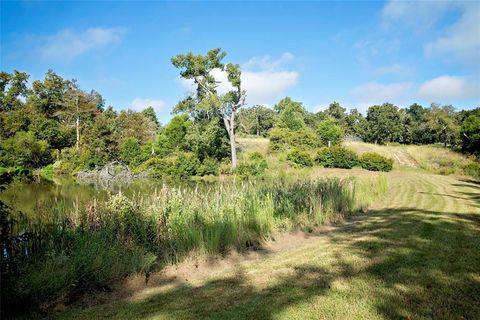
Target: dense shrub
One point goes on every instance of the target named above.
(281, 138)
(328, 131)
(24, 150)
(300, 158)
(472, 169)
(209, 166)
(131, 152)
(375, 162)
(336, 157)
(177, 165)
(254, 166)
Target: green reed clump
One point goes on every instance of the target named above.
(63, 253)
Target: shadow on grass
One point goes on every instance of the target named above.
(427, 265)
(428, 262)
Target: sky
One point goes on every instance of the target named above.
(357, 53)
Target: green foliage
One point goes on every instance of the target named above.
(375, 162)
(256, 120)
(13, 87)
(291, 115)
(176, 165)
(255, 166)
(383, 124)
(209, 166)
(24, 150)
(47, 172)
(336, 111)
(300, 158)
(336, 157)
(208, 138)
(470, 133)
(472, 169)
(330, 132)
(281, 138)
(79, 251)
(130, 152)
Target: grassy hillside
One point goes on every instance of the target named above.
(431, 158)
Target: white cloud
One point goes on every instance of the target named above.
(263, 78)
(265, 86)
(139, 104)
(419, 15)
(462, 39)
(67, 44)
(378, 93)
(449, 88)
(267, 63)
(400, 70)
(456, 38)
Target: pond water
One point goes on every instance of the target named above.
(67, 194)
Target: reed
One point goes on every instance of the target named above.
(58, 253)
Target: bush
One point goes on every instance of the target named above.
(178, 165)
(374, 162)
(328, 131)
(300, 158)
(131, 152)
(281, 138)
(472, 169)
(209, 166)
(336, 157)
(254, 166)
(24, 150)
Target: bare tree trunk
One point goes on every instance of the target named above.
(233, 147)
(229, 125)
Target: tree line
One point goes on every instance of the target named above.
(383, 124)
(53, 122)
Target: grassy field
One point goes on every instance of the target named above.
(414, 255)
(429, 158)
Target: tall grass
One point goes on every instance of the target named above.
(56, 255)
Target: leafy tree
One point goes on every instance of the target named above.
(470, 133)
(383, 124)
(52, 94)
(440, 121)
(207, 100)
(255, 120)
(312, 120)
(355, 123)
(24, 150)
(207, 138)
(149, 112)
(13, 87)
(291, 118)
(329, 132)
(336, 111)
(131, 152)
(287, 102)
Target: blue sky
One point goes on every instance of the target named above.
(357, 53)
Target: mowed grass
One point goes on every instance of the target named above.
(414, 255)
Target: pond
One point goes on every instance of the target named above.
(66, 194)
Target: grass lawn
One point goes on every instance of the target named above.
(415, 255)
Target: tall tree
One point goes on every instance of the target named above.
(199, 68)
(384, 124)
(13, 87)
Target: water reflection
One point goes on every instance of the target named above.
(66, 194)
